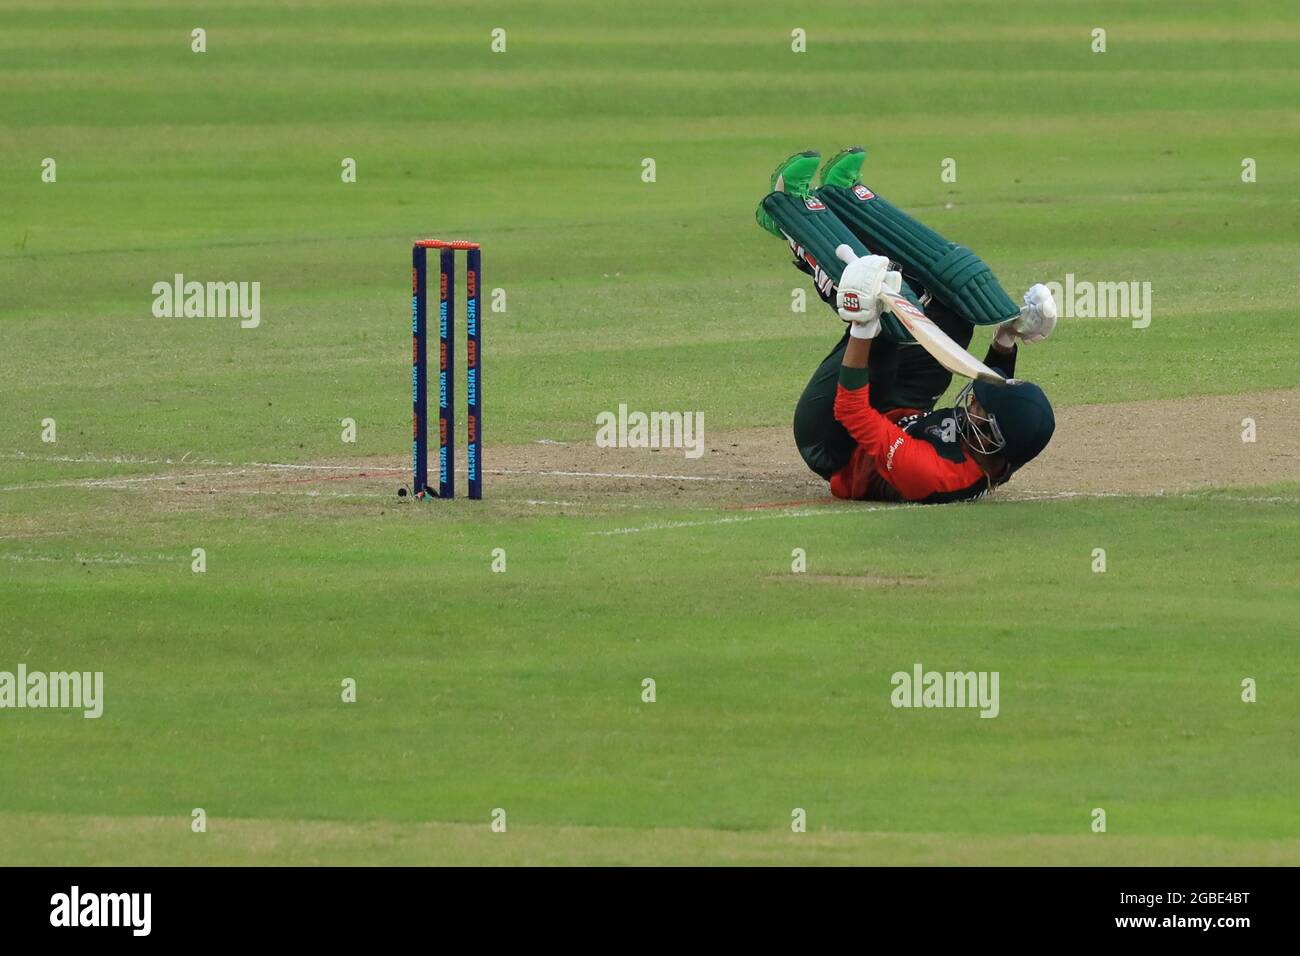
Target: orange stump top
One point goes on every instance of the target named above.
(446, 244)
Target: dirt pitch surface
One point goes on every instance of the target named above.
(1132, 449)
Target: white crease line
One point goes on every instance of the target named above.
(1013, 495)
(623, 474)
(89, 558)
(186, 459)
(670, 525)
(287, 466)
(118, 482)
(273, 492)
(1192, 494)
(373, 496)
(126, 480)
(115, 459)
(384, 471)
(1252, 498)
(109, 482)
(1057, 496)
(283, 466)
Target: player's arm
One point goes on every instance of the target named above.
(911, 466)
(1002, 357)
(856, 354)
(1035, 322)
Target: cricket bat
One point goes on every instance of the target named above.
(937, 342)
(932, 338)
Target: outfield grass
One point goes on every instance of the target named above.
(109, 840)
(522, 690)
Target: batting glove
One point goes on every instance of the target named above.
(1035, 322)
(857, 296)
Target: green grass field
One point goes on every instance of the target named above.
(522, 690)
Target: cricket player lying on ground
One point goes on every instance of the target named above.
(866, 421)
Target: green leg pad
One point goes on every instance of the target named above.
(818, 232)
(951, 273)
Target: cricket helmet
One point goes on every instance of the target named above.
(1016, 421)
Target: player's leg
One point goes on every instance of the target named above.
(948, 272)
(814, 233)
(917, 380)
(824, 444)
